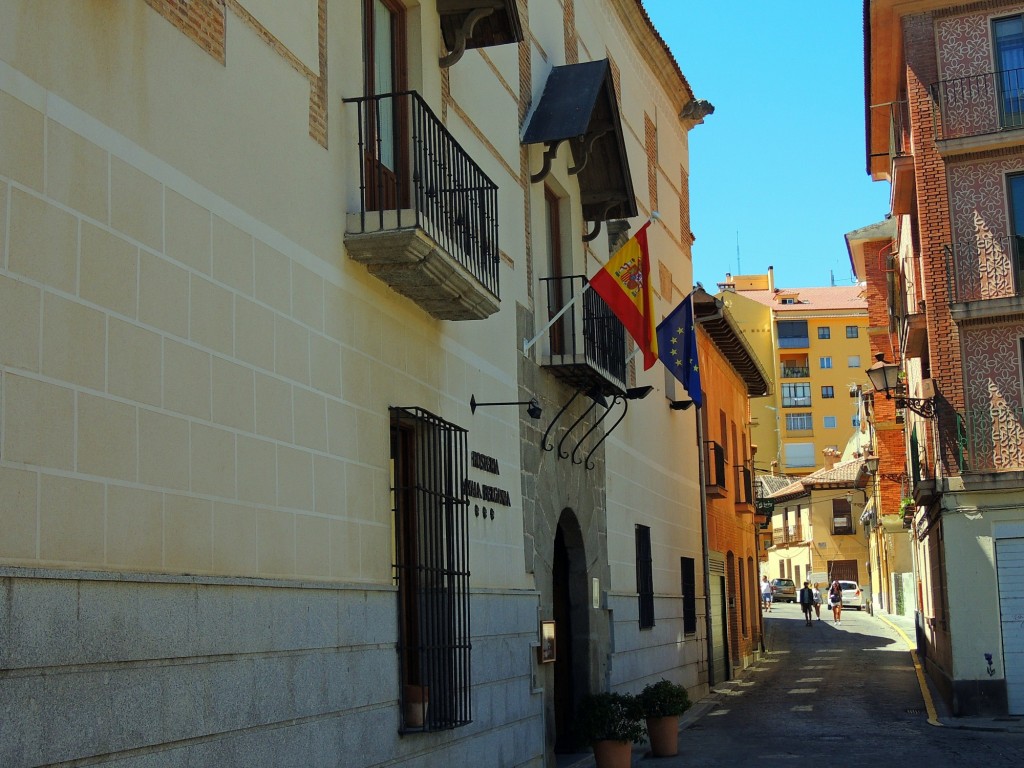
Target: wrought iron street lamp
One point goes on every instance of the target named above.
(532, 406)
(885, 377)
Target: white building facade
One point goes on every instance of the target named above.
(255, 263)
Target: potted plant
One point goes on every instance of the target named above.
(661, 704)
(610, 722)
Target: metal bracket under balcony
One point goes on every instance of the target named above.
(427, 223)
(586, 346)
(477, 24)
(986, 277)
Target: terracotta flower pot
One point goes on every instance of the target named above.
(613, 754)
(414, 698)
(664, 735)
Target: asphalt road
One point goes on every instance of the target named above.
(838, 696)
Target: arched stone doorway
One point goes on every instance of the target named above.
(571, 612)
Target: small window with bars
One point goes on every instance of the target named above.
(842, 517)
(645, 576)
(431, 546)
(688, 577)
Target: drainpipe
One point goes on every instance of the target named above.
(708, 623)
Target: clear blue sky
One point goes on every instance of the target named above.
(781, 162)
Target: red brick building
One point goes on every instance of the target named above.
(944, 103)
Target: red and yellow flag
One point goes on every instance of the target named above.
(624, 283)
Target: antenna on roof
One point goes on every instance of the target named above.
(832, 277)
(739, 269)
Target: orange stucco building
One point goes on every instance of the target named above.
(730, 375)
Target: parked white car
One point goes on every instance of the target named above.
(853, 597)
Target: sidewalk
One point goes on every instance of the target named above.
(904, 625)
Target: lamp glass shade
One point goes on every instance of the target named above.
(884, 376)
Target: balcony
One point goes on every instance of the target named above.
(714, 469)
(985, 276)
(795, 372)
(796, 401)
(788, 534)
(427, 219)
(794, 342)
(744, 485)
(987, 105)
(991, 440)
(586, 347)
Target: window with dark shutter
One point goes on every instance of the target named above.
(688, 576)
(645, 576)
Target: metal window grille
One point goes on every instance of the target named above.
(429, 461)
(688, 577)
(645, 576)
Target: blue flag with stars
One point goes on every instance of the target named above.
(677, 348)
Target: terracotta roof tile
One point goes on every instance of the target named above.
(832, 297)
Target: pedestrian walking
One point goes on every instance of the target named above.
(806, 600)
(817, 600)
(835, 599)
(766, 595)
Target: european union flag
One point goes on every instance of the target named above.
(677, 348)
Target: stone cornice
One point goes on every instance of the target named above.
(654, 51)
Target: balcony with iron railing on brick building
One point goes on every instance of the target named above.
(714, 468)
(986, 268)
(991, 439)
(979, 105)
(744, 485)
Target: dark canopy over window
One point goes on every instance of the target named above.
(578, 105)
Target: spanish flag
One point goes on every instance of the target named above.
(624, 283)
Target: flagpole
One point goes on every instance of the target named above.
(528, 343)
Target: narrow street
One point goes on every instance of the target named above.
(845, 696)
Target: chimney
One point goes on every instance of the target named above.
(771, 278)
(831, 457)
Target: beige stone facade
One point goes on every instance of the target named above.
(199, 387)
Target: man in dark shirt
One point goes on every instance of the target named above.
(807, 602)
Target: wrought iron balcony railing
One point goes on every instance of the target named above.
(977, 105)
(991, 439)
(795, 372)
(892, 158)
(714, 466)
(414, 176)
(744, 485)
(788, 534)
(987, 267)
(587, 345)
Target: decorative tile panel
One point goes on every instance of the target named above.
(981, 233)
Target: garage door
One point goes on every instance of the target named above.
(1010, 571)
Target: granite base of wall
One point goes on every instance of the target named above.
(137, 670)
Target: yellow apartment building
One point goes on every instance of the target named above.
(815, 342)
